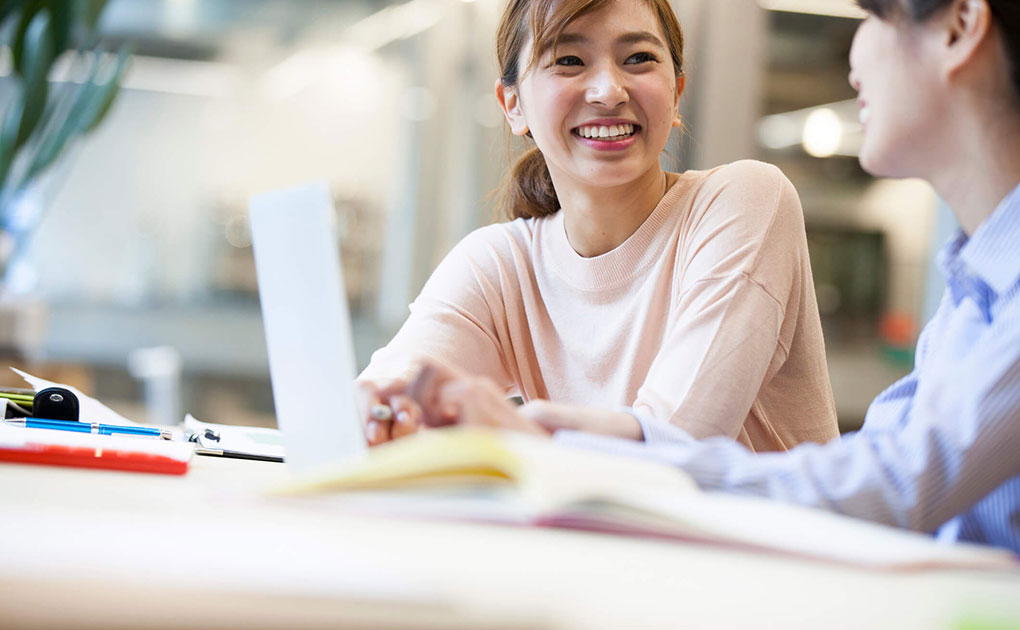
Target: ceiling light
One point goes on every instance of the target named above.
(823, 133)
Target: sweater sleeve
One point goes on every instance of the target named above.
(454, 318)
(740, 265)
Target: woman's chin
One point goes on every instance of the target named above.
(867, 164)
(888, 159)
(612, 175)
(873, 163)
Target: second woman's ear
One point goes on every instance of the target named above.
(510, 102)
(966, 26)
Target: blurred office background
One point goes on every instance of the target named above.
(139, 273)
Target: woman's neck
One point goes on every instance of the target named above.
(598, 220)
(982, 167)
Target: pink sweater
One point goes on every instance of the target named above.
(705, 317)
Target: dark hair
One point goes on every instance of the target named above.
(528, 189)
(1006, 14)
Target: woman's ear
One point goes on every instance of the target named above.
(681, 82)
(966, 25)
(510, 102)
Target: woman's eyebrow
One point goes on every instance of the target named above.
(633, 37)
(572, 38)
(640, 37)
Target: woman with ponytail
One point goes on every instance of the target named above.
(619, 299)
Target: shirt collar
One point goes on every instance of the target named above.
(992, 253)
(961, 282)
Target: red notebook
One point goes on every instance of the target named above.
(61, 448)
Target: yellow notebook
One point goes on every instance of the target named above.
(509, 478)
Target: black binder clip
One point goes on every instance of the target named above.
(55, 403)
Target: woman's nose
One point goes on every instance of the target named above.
(606, 88)
(854, 58)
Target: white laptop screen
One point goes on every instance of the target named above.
(307, 324)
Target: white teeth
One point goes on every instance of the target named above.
(864, 115)
(605, 131)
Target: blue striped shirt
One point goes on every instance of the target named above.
(939, 450)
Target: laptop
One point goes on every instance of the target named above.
(307, 324)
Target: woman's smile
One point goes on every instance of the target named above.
(607, 135)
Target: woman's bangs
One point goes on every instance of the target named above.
(549, 18)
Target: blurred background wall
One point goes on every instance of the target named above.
(143, 243)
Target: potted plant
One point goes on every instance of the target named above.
(64, 81)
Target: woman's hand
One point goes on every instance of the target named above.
(445, 395)
(386, 409)
(554, 416)
(441, 395)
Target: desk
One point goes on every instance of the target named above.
(100, 549)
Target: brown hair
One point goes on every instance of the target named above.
(528, 190)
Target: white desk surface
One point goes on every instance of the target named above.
(98, 549)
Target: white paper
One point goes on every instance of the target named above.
(252, 440)
(89, 409)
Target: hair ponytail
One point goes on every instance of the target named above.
(527, 191)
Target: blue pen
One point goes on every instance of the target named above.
(88, 427)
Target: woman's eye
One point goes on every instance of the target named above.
(569, 60)
(641, 57)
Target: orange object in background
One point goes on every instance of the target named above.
(897, 333)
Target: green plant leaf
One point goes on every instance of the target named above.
(28, 10)
(43, 119)
(92, 9)
(8, 135)
(7, 8)
(62, 14)
(81, 109)
(107, 91)
(38, 58)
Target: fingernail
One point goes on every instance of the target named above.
(403, 417)
(381, 412)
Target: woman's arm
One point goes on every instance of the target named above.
(454, 320)
(743, 275)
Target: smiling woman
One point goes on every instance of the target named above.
(650, 298)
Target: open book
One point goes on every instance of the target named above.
(509, 478)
